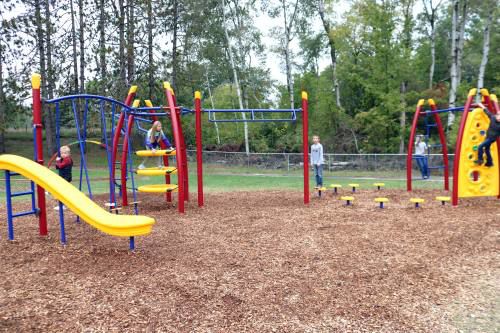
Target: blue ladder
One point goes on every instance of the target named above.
(9, 195)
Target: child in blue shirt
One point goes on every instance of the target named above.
(153, 138)
(317, 160)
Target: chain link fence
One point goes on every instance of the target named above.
(372, 164)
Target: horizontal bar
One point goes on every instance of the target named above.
(87, 96)
(18, 194)
(251, 110)
(24, 213)
(15, 174)
(249, 120)
(146, 114)
(436, 167)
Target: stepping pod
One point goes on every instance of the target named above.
(443, 200)
(379, 185)
(348, 200)
(354, 186)
(417, 201)
(320, 189)
(381, 201)
(335, 187)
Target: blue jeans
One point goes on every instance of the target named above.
(485, 146)
(423, 165)
(318, 173)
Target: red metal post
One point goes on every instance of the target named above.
(442, 139)
(460, 135)
(176, 133)
(411, 140)
(199, 147)
(37, 124)
(116, 138)
(305, 144)
(123, 163)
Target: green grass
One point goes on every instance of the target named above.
(217, 177)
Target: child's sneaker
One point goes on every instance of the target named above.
(478, 162)
(488, 164)
(141, 166)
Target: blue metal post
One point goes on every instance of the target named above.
(61, 223)
(132, 243)
(10, 223)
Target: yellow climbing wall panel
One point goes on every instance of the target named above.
(475, 180)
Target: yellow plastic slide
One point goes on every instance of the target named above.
(76, 201)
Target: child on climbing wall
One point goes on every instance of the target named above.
(317, 160)
(492, 135)
(153, 138)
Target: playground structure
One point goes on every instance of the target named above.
(469, 178)
(117, 122)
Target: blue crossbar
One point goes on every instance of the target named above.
(14, 174)
(437, 167)
(253, 119)
(25, 213)
(18, 194)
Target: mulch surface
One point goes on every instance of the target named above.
(255, 262)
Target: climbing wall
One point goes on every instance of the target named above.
(475, 180)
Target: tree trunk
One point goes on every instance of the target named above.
(454, 60)
(235, 76)
(121, 52)
(486, 50)
(174, 44)
(288, 63)
(213, 107)
(82, 47)
(130, 42)
(49, 116)
(151, 67)
(102, 48)
(433, 56)
(333, 51)
(402, 117)
(461, 40)
(2, 101)
(75, 54)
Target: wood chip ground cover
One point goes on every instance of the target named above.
(262, 262)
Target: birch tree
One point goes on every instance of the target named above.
(485, 51)
(235, 75)
(430, 13)
(327, 27)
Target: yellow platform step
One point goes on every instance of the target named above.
(158, 188)
(156, 171)
(145, 153)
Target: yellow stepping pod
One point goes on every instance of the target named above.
(381, 201)
(443, 200)
(354, 187)
(379, 185)
(335, 187)
(156, 171)
(347, 199)
(147, 153)
(158, 188)
(417, 201)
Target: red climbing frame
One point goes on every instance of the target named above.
(116, 138)
(411, 140)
